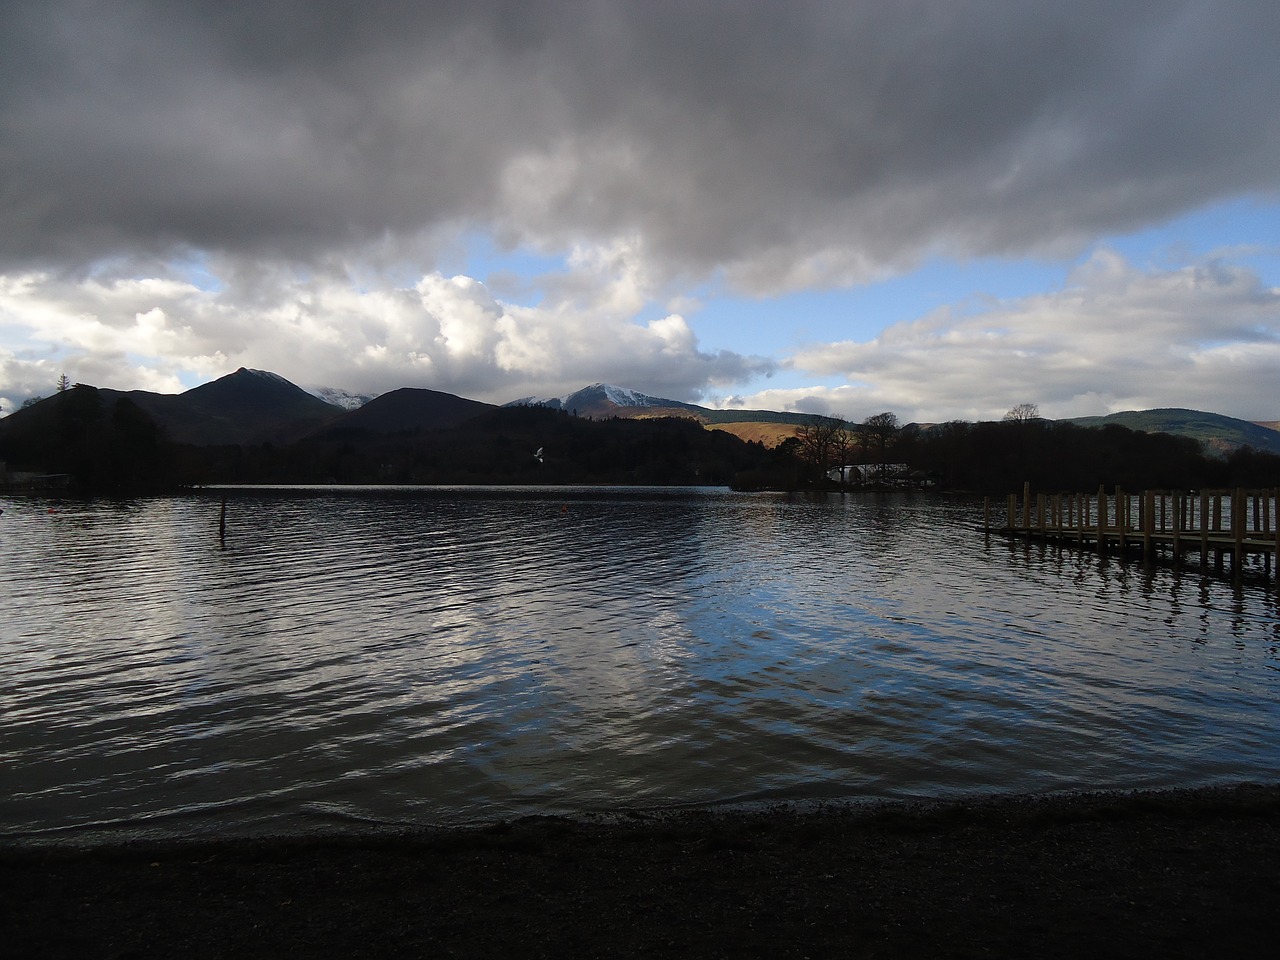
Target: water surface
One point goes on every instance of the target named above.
(429, 655)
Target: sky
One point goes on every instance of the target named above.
(937, 208)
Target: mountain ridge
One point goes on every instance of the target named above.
(257, 406)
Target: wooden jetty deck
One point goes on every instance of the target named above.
(1157, 524)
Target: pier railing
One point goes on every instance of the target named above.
(1213, 524)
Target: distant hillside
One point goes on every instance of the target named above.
(409, 409)
(244, 407)
(501, 445)
(769, 434)
(602, 400)
(1217, 433)
(256, 425)
(248, 406)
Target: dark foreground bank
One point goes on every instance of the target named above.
(1169, 874)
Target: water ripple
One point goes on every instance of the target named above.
(426, 655)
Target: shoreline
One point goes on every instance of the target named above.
(1169, 873)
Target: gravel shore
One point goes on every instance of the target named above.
(1187, 873)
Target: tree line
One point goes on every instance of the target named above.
(115, 447)
(999, 456)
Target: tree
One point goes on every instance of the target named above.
(1022, 413)
(877, 433)
(823, 443)
(842, 444)
(64, 383)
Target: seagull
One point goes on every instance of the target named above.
(538, 456)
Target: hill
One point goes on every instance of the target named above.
(769, 434)
(410, 410)
(255, 426)
(502, 445)
(248, 406)
(603, 400)
(1216, 433)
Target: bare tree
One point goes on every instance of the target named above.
(1022, 413)
(843, 443)
(64, 383)
(877, 433)
(824, 443)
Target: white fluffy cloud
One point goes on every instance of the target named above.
(447, 333)
(1115, 337)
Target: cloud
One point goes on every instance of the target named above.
(447, 333)
(188, 187)
(1115, 337)
(780, 145)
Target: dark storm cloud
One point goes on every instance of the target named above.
(790, 143)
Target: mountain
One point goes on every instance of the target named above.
(341, 398)
(256, 406)
(1216, 433)
(408, 410)
(248, 406)
(606, 400)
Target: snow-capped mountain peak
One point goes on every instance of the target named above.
(341, 398)
(599, 399)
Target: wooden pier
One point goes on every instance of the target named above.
(1155, 524)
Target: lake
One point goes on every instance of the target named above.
(390, 656)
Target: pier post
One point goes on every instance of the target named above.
(1204, 529)
(1148, 524)
(1217, 530)
(1179, 501)
(1026, 504)
(1122, 516)
(1102, 518)
(1239, 520)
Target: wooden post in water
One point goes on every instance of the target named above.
(1122, 516)
(1204, 529)
(1026, 505)
(1239, 519)
(1102, 517)
(1179, 501)
(1217, 529)
(1276, 502)
(1148, 524)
